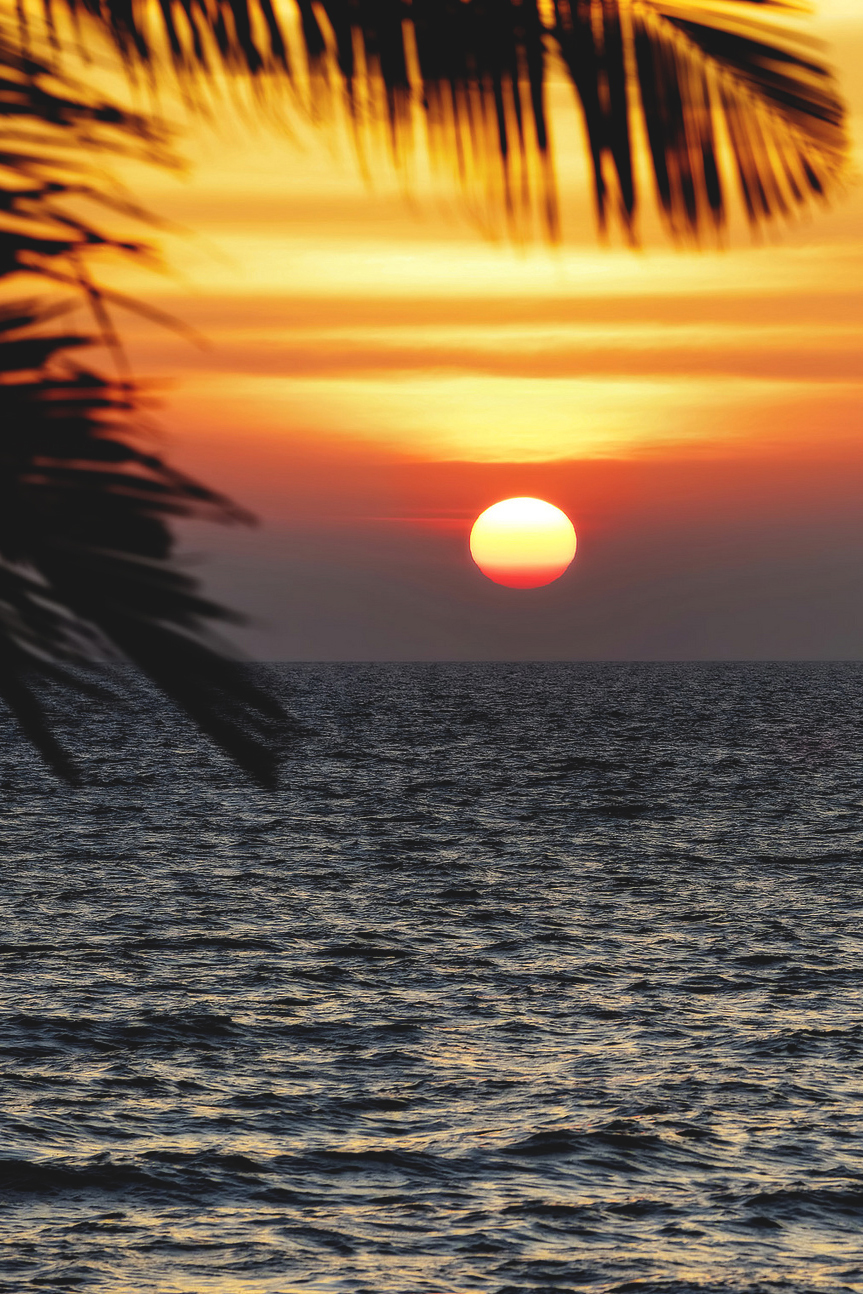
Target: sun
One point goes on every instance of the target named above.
(522, 543)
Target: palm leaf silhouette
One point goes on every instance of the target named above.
(480, 71)
(85, 544)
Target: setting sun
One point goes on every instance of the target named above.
(522, 543)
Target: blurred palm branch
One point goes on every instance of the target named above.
(86, 569)
(713, 94)
(695, 79)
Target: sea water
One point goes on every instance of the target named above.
(532, 977)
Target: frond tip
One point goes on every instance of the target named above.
(85, 556)
(781, 113)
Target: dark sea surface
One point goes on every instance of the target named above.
(532, 978)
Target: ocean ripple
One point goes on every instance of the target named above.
(531, 978)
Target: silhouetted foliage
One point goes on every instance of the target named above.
(480, 71)
(85, 545)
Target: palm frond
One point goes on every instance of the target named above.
(85, 553)
(479, 70)
(86, 567)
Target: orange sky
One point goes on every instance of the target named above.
(380, 371)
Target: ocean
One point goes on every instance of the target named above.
(531, 978)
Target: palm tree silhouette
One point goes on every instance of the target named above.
(718, 92)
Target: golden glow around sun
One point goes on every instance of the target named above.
(522, 543)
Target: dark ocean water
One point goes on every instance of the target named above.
(533, 978)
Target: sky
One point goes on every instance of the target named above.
(383, 363)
